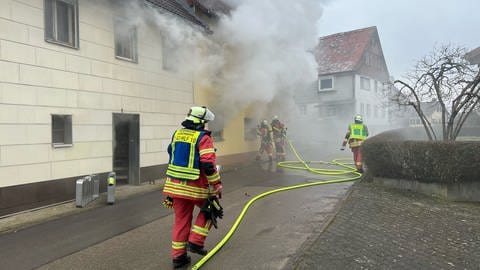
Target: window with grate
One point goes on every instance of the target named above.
(61, 22)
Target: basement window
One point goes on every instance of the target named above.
(61, 130)
(61, 22)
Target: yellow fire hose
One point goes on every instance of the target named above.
(289, 165)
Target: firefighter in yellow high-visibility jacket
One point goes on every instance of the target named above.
(357, 133)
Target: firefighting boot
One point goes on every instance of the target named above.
(196, 249)
(181, 261)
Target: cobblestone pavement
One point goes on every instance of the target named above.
(382, 228)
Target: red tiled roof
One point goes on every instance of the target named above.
(342, 52)
(177, 8)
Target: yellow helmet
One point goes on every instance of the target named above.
(199, 114)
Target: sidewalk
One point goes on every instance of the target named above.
(382, 228)
(27, 218)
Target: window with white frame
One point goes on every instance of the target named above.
(364, 83)
(61, 22)
(125, 41)
(61, 130)
(325, 83)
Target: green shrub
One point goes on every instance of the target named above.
(388, 155)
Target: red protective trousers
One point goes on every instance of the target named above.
(183, 230)
(357, 157)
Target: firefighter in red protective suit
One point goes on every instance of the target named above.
(279, 132)
(357, 133)
(192, 177)
(265, 134)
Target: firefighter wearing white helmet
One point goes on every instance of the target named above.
(200, 115)
(357, 133)
(191, 176)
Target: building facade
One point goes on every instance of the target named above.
(85, 89)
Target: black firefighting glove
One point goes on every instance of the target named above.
(212, 210)
(208, 167)
(168, 202)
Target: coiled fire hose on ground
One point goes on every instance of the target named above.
(300, 164)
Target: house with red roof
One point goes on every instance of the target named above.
(351, 76)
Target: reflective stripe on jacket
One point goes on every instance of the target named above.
(184, 163)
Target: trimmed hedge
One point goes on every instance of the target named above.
(390, 155)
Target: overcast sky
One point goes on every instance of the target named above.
(408, 29)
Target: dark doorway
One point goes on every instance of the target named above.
(126, 148)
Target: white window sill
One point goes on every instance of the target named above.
(61, 145)
(326, 90)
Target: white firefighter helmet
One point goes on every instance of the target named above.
(199, 114)
(275, 117)
(358, 118)
(265, 122)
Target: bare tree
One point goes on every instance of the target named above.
(446, 78)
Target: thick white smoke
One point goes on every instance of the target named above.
(267, 48)
(259, 54)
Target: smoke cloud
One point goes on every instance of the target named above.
(259, 54)
(266, 51)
